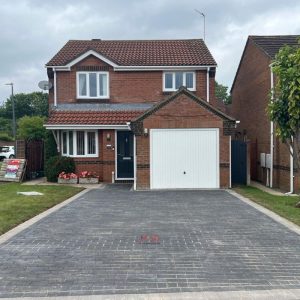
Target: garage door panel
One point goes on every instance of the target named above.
(184, 158)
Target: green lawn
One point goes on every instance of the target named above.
(282, 205)
(15, 209)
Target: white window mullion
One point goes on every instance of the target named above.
(97, 85)
(68, 150)
(74, 143)
(174, 81)
(87, 77)
(85, 143)
(96, 142)
(62, 142)
(184, 79)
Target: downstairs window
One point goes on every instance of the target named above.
(79, 143)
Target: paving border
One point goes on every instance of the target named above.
(9, 234)
(290, 225)
(282, 294)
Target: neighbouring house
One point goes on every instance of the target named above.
(140, 111)
(271, 162)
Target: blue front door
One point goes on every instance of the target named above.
(124, 154)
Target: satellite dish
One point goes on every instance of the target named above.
(45, 85)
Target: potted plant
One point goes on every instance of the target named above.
(88, 177)
(69, 178)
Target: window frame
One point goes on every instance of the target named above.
(173, 89)
(98, 96)
(75, 143)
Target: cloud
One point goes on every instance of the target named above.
(33, 30)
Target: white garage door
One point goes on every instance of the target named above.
(184, 158)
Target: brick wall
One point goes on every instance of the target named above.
(250, 96)
(180, 113)
(103, 165)
(128, 87)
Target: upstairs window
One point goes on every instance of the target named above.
(92, 85)
(172, 81)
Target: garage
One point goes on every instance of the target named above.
(184, 158)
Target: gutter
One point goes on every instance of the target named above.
(75, 126)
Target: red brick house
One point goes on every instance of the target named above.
(250, 95)
(141, 111)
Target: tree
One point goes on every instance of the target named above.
(222, 93)
(32, 104)
(31, 128)
(284, 104)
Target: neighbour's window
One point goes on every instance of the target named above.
(92, 85)
(174, 80)
(78, 143)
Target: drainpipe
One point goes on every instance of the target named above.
(207, 84)
(134, 161)
(55, 94)
(230, 180)
(271, 131)
(291, 169)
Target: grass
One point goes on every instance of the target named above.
(16, 209)
(282, 205)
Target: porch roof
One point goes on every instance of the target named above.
(58, 117)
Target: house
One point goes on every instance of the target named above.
(271, 162)
(141, 111)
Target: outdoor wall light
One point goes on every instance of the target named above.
(145, 131)
(108, 137)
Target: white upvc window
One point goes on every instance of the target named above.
(79, 143)
(172, 81)
(92, 85)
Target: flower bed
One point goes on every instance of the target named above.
(67, 178)
(87, 177)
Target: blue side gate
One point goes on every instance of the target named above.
(238, 162)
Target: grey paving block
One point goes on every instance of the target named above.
(208, 241)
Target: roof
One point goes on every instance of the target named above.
(91, 117)
(271, 44)
(188, 52)
(184, 90)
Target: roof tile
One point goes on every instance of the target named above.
(189, 52)
(271, 44)
(91, 117)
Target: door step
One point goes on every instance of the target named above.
(124, 181)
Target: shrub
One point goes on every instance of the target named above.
(31, 128)
(57, 164)
(50, 146)
(5, 137)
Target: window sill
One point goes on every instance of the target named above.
(81, 156)
(92, 98)
(169, 92)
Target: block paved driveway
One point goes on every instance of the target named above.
(209, 241)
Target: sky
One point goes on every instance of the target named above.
(32, 31)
